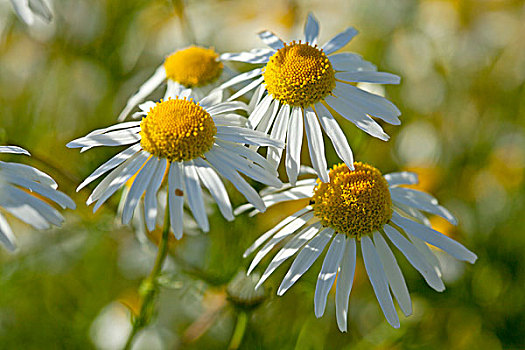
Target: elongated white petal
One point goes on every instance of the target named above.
(110, 164)
(368, 77)
(150, 198)
(305, 182)
(345, 281)
(435, 238)
(145, 90)
(287, 230)
(421, 201)
(14, 149)
(429, 256)
(316, 144)
(255, 56)
(246, 136)
(358, 117)
(176, 198)
(339, 40)
(226, 107)
(114, 138)
(194, 195)
(265, 236)
(294, 144)
(304, 260)
(271, 40)
(401, 178)
(267, 120)
(378, 279)
(260, 110)
(214, 97)
(368, 103)
(240, 78)
(242, 186)
(311, 30)
(393, 273)
(279, 133)
(326, 277)
(246, 89)
(7, 238)
(350, 62)
(256, 98)
(213, 183)
(140, 183)
(336, 135)
(247, 153)
(415, 258)
(289, 249)
(115, 127)
(27, 172)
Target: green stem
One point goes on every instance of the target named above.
(149, 285)
(240, 329)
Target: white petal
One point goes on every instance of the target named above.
(213, 98)
(240, 78)
(255, 56)
(114, 138)
(242, 186)
(260, 110)
(368, 77)
(435, 238)
(401, 178)
(289, 249)
(246, 136)
(110, 164)
(290, 228)
(23, 11)
(350, 62)
(27, 172)
(256, 98)
(39, 8)
(429, 256)
(14, 149)
(194, 195)
(145, 90)
(339, 40)
(247, 153)
(393, 274)
(150, 198)
(247, 88)
(305, 259)
(311, 30)
(294, 144)
(336, 135)
(316, 144)
(378, 279)
(176, 198)
(271, 40)
(226, 107)
(6, 234)
(267, 120)
(265, 236)
(140, 183)
(422, 201)
(213, 183)
(279, 133)
(345, 281)
(357, 116)
(415, 258)
(326, 277)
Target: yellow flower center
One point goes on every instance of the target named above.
(178, 130)
(194, 66)
(353, 202)
(299, 75)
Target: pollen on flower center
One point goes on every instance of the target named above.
(194, 66)
(178, 130)
(299, 75)
(353, 202)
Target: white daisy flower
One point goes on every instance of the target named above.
(194, 67)
(28, 10)
(357, 206)
(183, 144)
(302, 86)
(25, 192)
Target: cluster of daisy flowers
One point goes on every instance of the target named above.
(181, 148)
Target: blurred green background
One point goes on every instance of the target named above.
(462, 96)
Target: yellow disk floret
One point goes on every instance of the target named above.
(299, 75)
(194, 66)
(353, 202)
(177, 130)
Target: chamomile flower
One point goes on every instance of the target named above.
(301, 85)
(28, 10)
(26, 193)
(359, 207)
(183, 144)
(194, 67)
